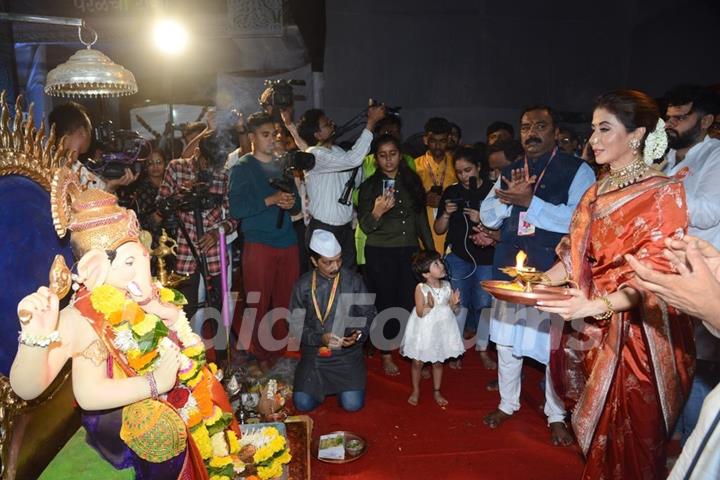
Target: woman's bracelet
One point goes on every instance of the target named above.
(153, 386)
(607, 313)
(42, 341)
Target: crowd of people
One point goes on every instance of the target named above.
(629, 218)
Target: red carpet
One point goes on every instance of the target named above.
(427, 442)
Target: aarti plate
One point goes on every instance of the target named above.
(503, 290)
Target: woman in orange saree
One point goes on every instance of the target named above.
(628, 363)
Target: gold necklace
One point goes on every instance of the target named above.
(629, 174)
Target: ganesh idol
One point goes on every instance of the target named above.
(150, 401)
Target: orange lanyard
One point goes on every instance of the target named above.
(432, 172)
(313, 290)
(539, 179)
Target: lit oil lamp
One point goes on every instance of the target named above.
(524, 276)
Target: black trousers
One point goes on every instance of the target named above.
(189, 288)
(389, 275)
(345, 237)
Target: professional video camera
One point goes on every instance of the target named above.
(121, 149)
(278, 95)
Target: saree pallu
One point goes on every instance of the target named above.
(627, 376)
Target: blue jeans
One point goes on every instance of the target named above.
(472, 296)
(350, 401)
(706, 378)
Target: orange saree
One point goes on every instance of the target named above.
(630, 375)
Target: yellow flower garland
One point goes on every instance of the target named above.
(166, 295)
(202, 440)
(107, 299)
(219, 452)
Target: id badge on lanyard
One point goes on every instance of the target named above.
(525, 228)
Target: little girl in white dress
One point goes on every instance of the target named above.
(432, 334)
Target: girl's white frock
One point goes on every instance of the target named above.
(434, 337)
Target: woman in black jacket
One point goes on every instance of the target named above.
(391, 211)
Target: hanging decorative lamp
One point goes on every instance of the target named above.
(90, 73)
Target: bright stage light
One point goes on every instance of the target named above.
(170, 37)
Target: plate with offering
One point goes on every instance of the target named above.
(528, 287)
(340, 447)
(515, 292)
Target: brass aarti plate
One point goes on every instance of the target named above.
(514, 292)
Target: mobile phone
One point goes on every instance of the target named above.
(436, 189)
(388, 185)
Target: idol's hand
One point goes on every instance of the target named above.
(38, 312)
(576, 306)
(166, 371)
(167, 312)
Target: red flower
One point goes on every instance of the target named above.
(178, 397)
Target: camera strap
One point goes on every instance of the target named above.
(349, 185)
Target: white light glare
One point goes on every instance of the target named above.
(170, 37)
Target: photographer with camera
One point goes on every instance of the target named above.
(72, 122)
(334, 169)
(263, 198)
(193, 188)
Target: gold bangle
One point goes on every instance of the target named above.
(607, 313)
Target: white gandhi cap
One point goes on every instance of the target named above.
(324, 243)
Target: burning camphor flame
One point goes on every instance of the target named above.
(520, 261)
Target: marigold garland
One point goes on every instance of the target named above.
(143, 338)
